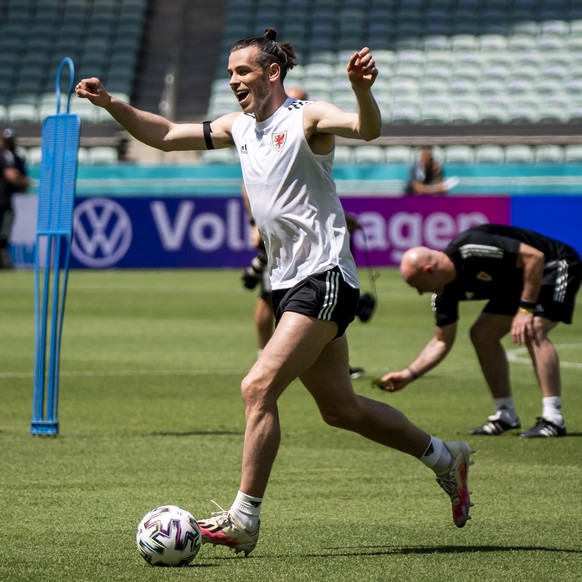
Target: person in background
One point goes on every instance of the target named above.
(426, 176)
(286, 150)
(530, 282)
(13, 179)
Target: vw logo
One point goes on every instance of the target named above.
(102, 232)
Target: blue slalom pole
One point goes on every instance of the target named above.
(57, 185)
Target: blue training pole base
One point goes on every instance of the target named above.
(45, 427)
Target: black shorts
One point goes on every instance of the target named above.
(560, 284)
(324, 296)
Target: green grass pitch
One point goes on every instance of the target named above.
(150, 413)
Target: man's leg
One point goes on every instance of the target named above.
(329, 383)
(547, 368)
(545, 358)
(296, 344)
(486, 334)
(264, 322)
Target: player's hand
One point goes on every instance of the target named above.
(93, 90)
(522, 328)
(362, 71)
(393, 381)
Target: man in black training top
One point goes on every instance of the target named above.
(530, 282)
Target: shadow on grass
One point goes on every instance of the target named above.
(196, 433)
(568, 434)
(387, 551)
(402, 551)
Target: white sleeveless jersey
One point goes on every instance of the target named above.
(293, 198)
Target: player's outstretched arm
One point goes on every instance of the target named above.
(325, 118)
(155, 130)
(431, 355)
(362, 73)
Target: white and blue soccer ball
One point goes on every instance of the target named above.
(168, 536)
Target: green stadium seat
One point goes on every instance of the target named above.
(458, 154)
(321, 71)
(553, 154)
(406, 69)
(344, 154)
(369, 154)
(399, 154)
(556, 111)
(219, 156)
(463, 112)
(345, 101)
(430, 86)
(436, 42)
(553, 42)
(573, 153)
(438, 70)
(22, 112)
(519, 154)
(435, 113)
(103, 155)
(558, 27)
(524, 111)
(404, 86)
(489, 154)
(406, 112)
(493, 42)
(465, 42)
(468, 71)
(384, 57)
(494, 109)
(525, 27)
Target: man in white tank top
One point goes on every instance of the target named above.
(286, 151)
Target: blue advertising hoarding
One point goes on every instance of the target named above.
(210, 231)
(160, 233)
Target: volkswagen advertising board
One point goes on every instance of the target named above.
(213, 231)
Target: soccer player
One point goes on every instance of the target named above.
(286, 149)
(530, 282)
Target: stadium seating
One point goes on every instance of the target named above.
(466, 62)
(499, 49)
(102, 37)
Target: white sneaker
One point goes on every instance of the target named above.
(455, 481)
(224, 529)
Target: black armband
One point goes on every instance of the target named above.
(207, 137)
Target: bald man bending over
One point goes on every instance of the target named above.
(530, 282)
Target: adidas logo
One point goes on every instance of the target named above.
(243, 149)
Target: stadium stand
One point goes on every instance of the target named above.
(478, 65)
(455, 68)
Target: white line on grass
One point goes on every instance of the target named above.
(521, 356)
(113, 373)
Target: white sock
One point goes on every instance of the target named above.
(247, 510)
(437, 456)
(552, 409)
(506, 406)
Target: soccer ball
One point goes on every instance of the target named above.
(168, 536)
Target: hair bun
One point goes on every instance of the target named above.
(271, 33)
